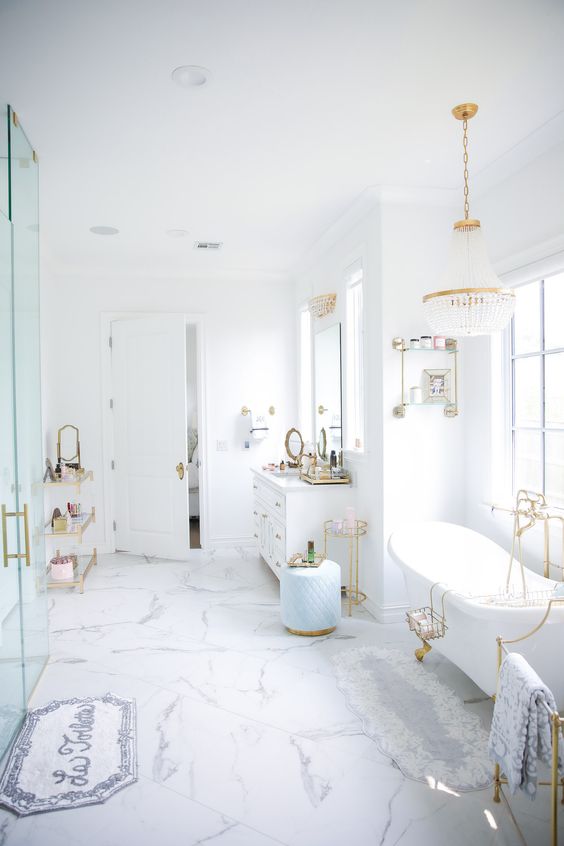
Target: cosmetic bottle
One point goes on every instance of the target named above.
(310, 553)
(282, 466)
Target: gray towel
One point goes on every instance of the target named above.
(521, 729)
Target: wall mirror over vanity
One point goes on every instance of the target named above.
(328, 399)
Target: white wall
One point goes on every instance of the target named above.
(522, 218)
(249, 351)
(412, 468)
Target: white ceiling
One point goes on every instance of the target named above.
(310, 102)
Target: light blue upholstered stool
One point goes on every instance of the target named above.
(310, 598)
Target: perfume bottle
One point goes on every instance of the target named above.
(310, 553)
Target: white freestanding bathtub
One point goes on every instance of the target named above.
(472, 565)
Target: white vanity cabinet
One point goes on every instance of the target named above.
(288, 512)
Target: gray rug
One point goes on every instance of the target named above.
(414, 718)
(69, 753)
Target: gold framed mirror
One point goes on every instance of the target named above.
(294, 444)
(322, 444)
(68, 445)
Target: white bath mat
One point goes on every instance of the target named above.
(69, 753)
(414, 718)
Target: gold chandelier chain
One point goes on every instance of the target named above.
(465, 144)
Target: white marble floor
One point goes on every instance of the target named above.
(244, 739)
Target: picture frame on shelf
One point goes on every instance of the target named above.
(436, 386)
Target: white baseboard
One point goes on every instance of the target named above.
(386, 613)
(221, 543)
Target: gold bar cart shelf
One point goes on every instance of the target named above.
(352, 534)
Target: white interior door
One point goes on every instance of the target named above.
(149, 410)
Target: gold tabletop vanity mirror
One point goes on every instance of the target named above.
(294, 447)
(68, 446)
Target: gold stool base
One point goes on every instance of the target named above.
(312, 634)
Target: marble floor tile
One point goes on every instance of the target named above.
(243, 736)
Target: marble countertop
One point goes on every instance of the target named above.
(289, 483)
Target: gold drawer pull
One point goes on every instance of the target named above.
(277, 564)
(279, 505)
(255, 487)
(256, 536)
(265, 515)
(255, 513)
(278, 537)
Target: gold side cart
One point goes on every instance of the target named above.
(352, 534)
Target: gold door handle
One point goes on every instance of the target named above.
(180, 470)
(321, 409)
(4, 536)
(7, 555)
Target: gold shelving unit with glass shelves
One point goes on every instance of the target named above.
(448, 404)
(77, 526)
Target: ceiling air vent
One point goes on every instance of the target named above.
(207, 245)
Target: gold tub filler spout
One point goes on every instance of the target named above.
(427, 623)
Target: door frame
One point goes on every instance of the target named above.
(106, 320)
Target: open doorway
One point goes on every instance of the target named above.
(192, 435)
(155, 424)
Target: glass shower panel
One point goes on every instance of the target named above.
(12, 700)
(4, 188)
(29, 455)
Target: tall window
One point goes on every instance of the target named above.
(355, 359)
(537, 378)
(305, 375)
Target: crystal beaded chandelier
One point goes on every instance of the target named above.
(473, 300)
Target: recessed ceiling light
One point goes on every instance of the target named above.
(190, 76)
(177, 233)
(104, 230)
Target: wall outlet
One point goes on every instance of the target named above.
(246, 444)
(221, 446)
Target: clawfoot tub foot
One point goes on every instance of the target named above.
(497, 784)
(422, 651)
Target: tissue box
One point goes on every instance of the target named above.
(62, 567)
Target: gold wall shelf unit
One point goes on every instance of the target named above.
(73, 536)
(352, 534)
(450, 408)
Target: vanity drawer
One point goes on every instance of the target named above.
(256, 518)
(276, 502)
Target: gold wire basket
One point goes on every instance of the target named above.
(427, 623)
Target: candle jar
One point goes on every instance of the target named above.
(414, 344)
(426, 342)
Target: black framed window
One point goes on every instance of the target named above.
(537, 395)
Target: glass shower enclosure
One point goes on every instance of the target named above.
(23, 592)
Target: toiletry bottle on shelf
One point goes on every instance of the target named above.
(310, 553)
